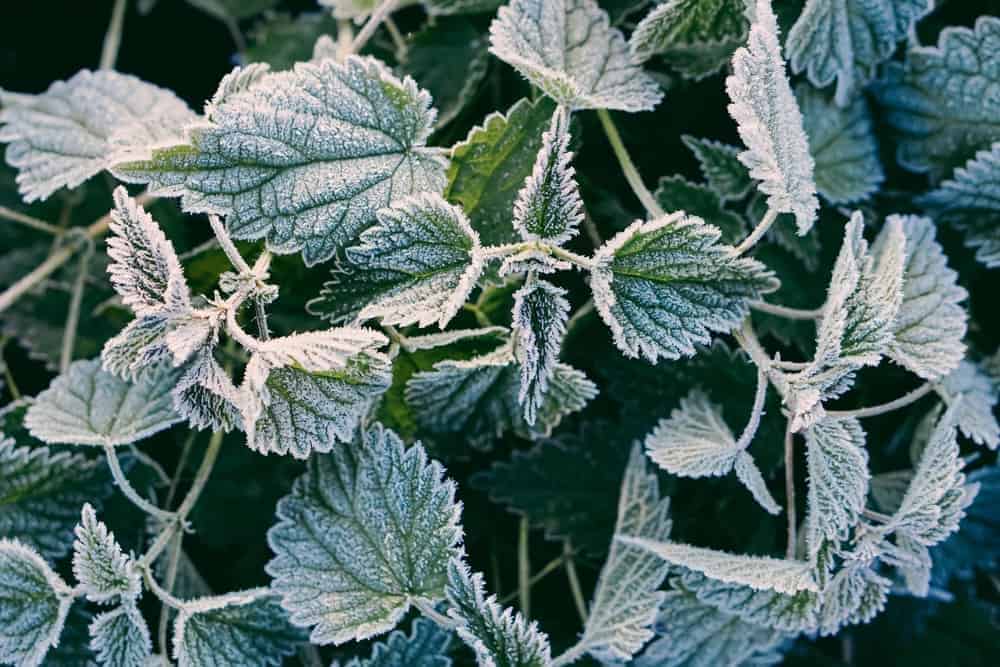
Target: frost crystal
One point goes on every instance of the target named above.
(568, 49)
(99, 565)
(539, 324)
(770, 124)
(433, 254)
(120, 637)
(304, 158)
(974, 414)
(82, 126)
(663, 286)
(364, 533)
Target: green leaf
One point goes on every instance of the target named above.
(281, 41)
(426, 646)
(937, 102)
(665, 285)
(120, 637)
(978, 394)
(847, 39)
(721, 167)
(539, 324)
(675, 193)
(89, 406)
(569, 50)
(843, 146)
(34, 602)
(101, 569)
(436, 255)
(261, 160)
(499, 636)
(240, 628)
(489, 168)
(363, 534)
(691, 31)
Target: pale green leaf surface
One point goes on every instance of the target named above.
(120, 637)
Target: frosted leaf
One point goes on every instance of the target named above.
(695, 441)
(930, 326)
(100, 567)
(846, 39)
(89, 406)
(446, 338)
(758, 572)
(548, 208)
(120, 637)
(970, 200)
(750, 476)
(770, 124)
(855, 594)
(912, 560)
(627, 595)
(843, 146)
(239, 80)
(974, 413)
(569, 50)
(144, 268)
(838, 481)
(721, 167)
(192, 332)
(428, 244)
(363, 534)
(314, 351)
(79, 127)
(206, 397)
(239, 628)
(34, 602)
(139, 346)
(499, 636)
(942, 101)
(426, 646)
(530, 260)
(41, 494)
(538, 326)
(664, 286)
(303, 158)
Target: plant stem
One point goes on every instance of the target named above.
(15, 393)
(402, 51)
(73, 314)
(628, 167)
(790, 490)
(571, 655)
(757, 232)
(428, 610)
(550, 567)
(758, 409)
(238, 41)
(586, 309)
(786, 312)
(574, 582)
(882, 408)
(113, 37)
(876, 516)
(169, 579)
(523, 569)
(154, 588)
(126, 488)
(385, 8)
(585, 263)
(29, 221)
(227, 245)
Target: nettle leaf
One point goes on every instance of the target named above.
(99, 565)
(974, 412)
(696, 442)
(488, 169)
(120, 637)
(663, 286)
(499, 636)
(721, 167)
(425, 646)
(538, 325)
(627, 596)
(569, 50)
(927, 336)
(548, 208)
(838, 481)
(362, 535)
(760, 573)
(303, 158)
(695, 36)
(79, 127)
(434, 254)
(770, 124)
(846, 39)
(41, 494)
(478, 397)
(855, 594)
(843, 145)
(970, 200)
(239, 628)
(675, 193)
(34, 602)
(206, 397)
(938, 101)
(89, 406)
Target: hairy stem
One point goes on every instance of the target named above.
(571, 655)
(523, 569)
(786, 312)
(428, 610)
(574, 582)
(402, 51)
(882, 408)
(129, 491)
(169, 579)
(758, 231)
(628, 167)
(550, 567)
(227, 245)
(790, 490)
(29, 221)
(586, 309)
(113, 37)
(154, 588)
(73, 314)
(757, 411)
(385, 8)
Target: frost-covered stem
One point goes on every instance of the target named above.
(57, 259)
(29, 221)
(876, 516)
(790, 489)
(237, 333)
(499, 251)
(402, 51)
(786, 312)
(747, 338)
(428, 610)
(758, 231)
(113, 37)
(15, 393)
(169, 579)
(73, 313)
(790, 365)
(535, 578)
(523, 568)
(571, 655)
(345, 37)
(580, 313)
(757, 411)
(628, 167)
(129, 491)
(154, 588)
(228, 247)
(580, 261)
(882, 408)
(201, 477)
(574, 582)
(385, 8)
(260, 268)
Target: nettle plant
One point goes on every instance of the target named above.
(446, 317)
